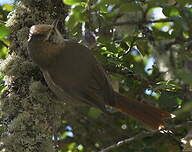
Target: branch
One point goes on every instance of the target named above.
(120, 143)
(60, 144)
(145, 134)
(176, 41)
(4, 44)
(127, 73)
(143, 22)
(185, 124)
(2, 22)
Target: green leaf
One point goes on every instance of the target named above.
(4, 31)
(156, 3)
(71, 22)
(79, 13)
(185, 109)
(3, 52)
(2, 86)
(103, 9)
(73, 2)
(143, 46)
(80, 147)
(130, 7)
(63, 136)
(168, 99)
(179, 26)
(7, 7)
(76, 16)
(184, 2)
(160, 30)
(72, 146)
(107, 2)
(166, 86)
(170, 11)
(94, 112)
(160, 26)
(185, 76)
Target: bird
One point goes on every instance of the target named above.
(73, 73)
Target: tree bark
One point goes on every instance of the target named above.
(30, 112)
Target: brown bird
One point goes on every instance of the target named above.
(71, 71)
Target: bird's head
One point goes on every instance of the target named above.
(44, 43)
(45, 32)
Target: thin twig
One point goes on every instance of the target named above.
(185, 124)
(177, 41)
(143, 22)
(3, 22)
(128, 140)
(4, 44)
(128, 74)
(145, 134)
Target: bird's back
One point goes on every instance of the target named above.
(79, 74)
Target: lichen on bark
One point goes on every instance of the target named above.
(29, 110)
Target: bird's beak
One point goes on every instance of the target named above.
(54, 26)
(55, 23)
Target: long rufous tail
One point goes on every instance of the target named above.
(149, 115)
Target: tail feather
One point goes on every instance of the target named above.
(149, 115)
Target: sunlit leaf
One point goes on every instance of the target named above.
(80, 147)
(76, 16)
(73, 2)
(4, 31)
(3, 52)
(164, 85)
(2, 85)
(63, 136)
(72, 146)
(71, 22)
(7, 7)
(163, 26)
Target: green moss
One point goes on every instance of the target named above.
(11, 105)
(16, 66)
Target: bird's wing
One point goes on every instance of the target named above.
(79, 74)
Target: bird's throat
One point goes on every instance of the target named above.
(43, 54)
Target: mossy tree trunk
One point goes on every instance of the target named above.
(30, 111)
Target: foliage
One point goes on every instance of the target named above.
(148, 54)
(4, 32)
